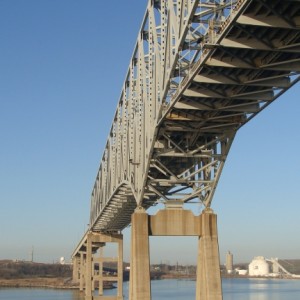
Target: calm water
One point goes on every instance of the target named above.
(233, 289)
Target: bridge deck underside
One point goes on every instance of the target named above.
(250, 61)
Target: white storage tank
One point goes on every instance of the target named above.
(258, 267)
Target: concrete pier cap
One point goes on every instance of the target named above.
(173, 220)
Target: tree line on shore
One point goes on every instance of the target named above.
(20, 269)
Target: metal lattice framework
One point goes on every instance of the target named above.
(200, 70)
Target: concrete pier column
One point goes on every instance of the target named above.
(120, 269)
(140, 288)
(100, 288)
(94, 244)
(81, 271)
(75, 269)
(208, 266)
(89, 269)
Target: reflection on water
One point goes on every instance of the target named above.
(260, 289)
(233, 289)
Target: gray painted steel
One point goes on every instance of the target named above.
(200, 70)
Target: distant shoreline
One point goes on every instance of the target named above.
(47, 283)
(63, 283)
(39, 282)
(17, 274)
(227, 276)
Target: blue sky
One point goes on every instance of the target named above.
(62, 66)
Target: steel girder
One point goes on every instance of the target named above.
(200, 70)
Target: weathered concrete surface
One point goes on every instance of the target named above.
(176, 222)
(208, 285)
(140, 261)
(82, 271)
(94, 244)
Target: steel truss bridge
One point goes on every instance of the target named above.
(200, 70)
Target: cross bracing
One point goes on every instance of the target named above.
(200, 70)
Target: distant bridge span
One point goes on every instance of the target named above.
(200, 70)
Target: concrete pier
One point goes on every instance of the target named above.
(91, 255)
(75, 265)
(175, 222)
(82, 270)
(208, 285)
(140, 260)
(172, 221)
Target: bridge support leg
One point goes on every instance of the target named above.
(208, 267)
(89, 268)
(140, 288)
(81, 271)
(94, 245)
(101, 271)
(75, 264)
(120, 269)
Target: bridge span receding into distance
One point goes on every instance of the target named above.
(200, 70)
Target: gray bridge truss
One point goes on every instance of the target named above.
(200, 70)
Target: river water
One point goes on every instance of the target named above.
(233, 289)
